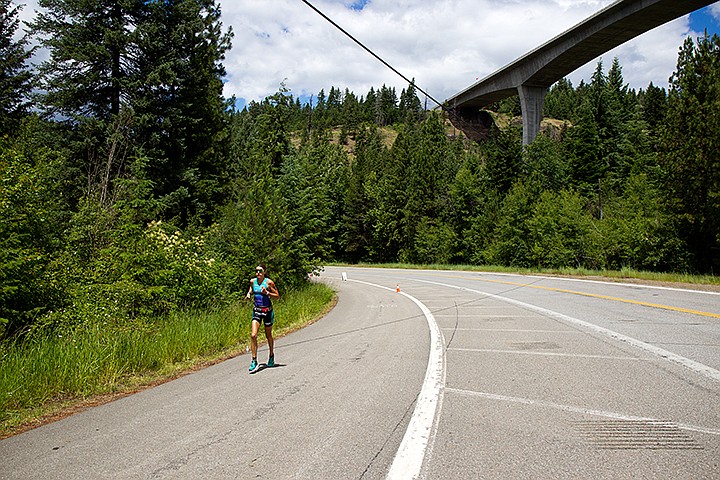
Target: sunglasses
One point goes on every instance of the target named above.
(259, 270)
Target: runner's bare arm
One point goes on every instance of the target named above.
(272, 290)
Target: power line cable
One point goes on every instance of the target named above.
(306, 2)
(455, 117)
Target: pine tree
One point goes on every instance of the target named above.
(618, 93)
(334, 107)
(84, 83)
(386, 190)
(618, 120)
(584, 145)
(430, 169)
(410, 107)
(691, 148)
(159, 61)
(386, 107)
(351, 114)
(369, 105)
(272, 135)
(560, 101)
(15, 76)
(92, 60)
(179, 99)
(320, 112)
(357, 235)
(313, 183)
(503, 155)
(597, 98)
(654, 106)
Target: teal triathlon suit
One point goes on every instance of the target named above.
(262, 310)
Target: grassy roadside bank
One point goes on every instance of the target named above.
(711, 282)
(47, 378)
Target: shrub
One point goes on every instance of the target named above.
(558, 231)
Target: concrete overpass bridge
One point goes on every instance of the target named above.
(531, 75)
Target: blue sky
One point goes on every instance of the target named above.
(359, 4)
(704, 19)
(445, 45)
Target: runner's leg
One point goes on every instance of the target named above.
(253, 337)
(270, 339)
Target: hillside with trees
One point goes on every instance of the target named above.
(131, 188)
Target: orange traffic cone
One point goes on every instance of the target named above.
(397, 288)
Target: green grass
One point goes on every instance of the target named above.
(625, 274)
(44, 376)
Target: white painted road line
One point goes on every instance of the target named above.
(697, 367)
(547, 354)
(572, 409)
(475, 315)
(512, 330)
(408, 460)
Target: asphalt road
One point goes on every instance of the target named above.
(457, 375)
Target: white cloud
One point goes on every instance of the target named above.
(715, 10)
(649, 57)
(444, 44)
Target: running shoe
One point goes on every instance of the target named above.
(271, 361)
(253, 366)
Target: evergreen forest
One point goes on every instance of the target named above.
(130, 188)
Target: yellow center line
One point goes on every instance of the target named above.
(604, 297)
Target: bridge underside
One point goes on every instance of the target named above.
(476, 124)
(531, 75)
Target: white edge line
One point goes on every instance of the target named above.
(409, 458)
(622, 284)
(697, 367)
(585, 280)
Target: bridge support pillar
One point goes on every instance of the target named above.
(532, 100)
